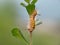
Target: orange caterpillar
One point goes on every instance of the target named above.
(32, 21)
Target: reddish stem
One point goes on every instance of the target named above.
(30, 38)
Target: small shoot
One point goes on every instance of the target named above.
(18, 34)
(30, 7)
(24, 5)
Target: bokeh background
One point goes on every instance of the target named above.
(12, 15)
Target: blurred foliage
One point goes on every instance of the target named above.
(7, 21)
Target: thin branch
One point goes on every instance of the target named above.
(30, 38)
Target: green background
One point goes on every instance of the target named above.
(10, 18)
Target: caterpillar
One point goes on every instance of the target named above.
(31, 25)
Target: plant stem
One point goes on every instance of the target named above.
(31, 25)
(30, 38)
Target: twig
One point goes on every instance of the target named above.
(30, 38)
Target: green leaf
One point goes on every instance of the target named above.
(28, 1)
(33, 2)
(30, 8)
(18, 34)
(23, 4)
